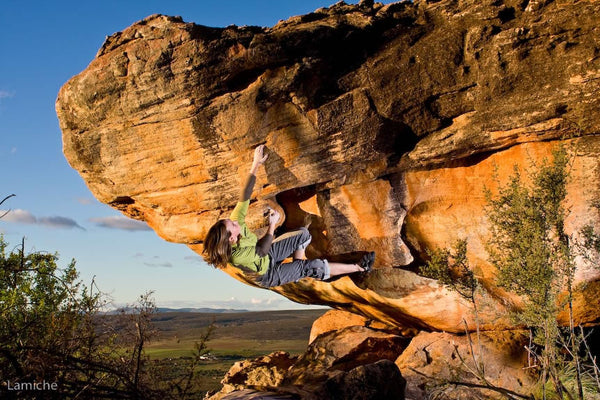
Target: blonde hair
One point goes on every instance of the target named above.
(217, 246)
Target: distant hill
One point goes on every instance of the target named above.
(254, 325)
(200, 310)
(181, 310)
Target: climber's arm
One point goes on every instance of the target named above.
(259, 159)
(264, 244)
(247, 190)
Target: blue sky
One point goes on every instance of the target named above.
(42, 45)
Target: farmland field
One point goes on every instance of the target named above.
(236, 336)
(245, 334)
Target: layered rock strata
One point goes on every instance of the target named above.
(383, 124)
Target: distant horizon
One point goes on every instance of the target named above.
(279, 303)
(206, 310)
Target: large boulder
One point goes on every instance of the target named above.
(346, 364)
(259, 373)
(379, 380)
(335, 320)
(343, 350)
(460, 367)
(383, 124)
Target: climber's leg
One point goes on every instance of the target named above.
(283, 273)
(290, 243)
(299, 254)
(341, 269)
(364, 265)
(321, 269)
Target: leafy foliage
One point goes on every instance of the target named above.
(535, 259)
(50, 331)
(528, 244)
(451, 268)
(45, 317)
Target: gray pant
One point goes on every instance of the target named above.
(282, 248)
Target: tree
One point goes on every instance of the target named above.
(46, 327)
(52, 331)
(51, 335)
(451, 268)
(535, 259)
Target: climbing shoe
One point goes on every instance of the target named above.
(366, 262)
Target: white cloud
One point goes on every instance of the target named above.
(13, 150)
(270, 304)
(153, 261)
(5, 94)
(195, 259)
(275, 303)
(59, 222)
(85, 200)
(230, 304)
(19, 216)
(165, 264)
(120, 222)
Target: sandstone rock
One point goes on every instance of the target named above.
(432, 360)
(350, 363)
(262, 372)
(380, 380)
(342, 350)
(250, 394)
(334, 320)
(384, 134)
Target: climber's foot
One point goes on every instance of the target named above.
(366, 262)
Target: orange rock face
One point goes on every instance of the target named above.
(450, 357)
(383, 125)
(459, 190)
(335, 320)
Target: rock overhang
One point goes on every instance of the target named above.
(389, 127)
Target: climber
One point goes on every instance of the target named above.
(230, 241)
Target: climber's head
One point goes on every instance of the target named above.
(234, 229)
(218, 241)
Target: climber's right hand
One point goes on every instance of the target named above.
(273, 217)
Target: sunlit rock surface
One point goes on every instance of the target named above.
(498, 356)
(383, 125)
(350, 363)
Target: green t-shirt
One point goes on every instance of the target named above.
(243, 253)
